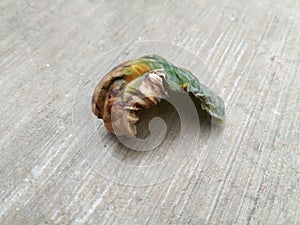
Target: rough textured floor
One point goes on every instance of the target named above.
(251, 48)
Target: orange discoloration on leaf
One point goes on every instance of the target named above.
(137, 69)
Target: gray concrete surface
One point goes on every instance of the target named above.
(252, 49)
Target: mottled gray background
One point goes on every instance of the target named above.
(252, 49)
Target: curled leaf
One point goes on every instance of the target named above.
(142, 83)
